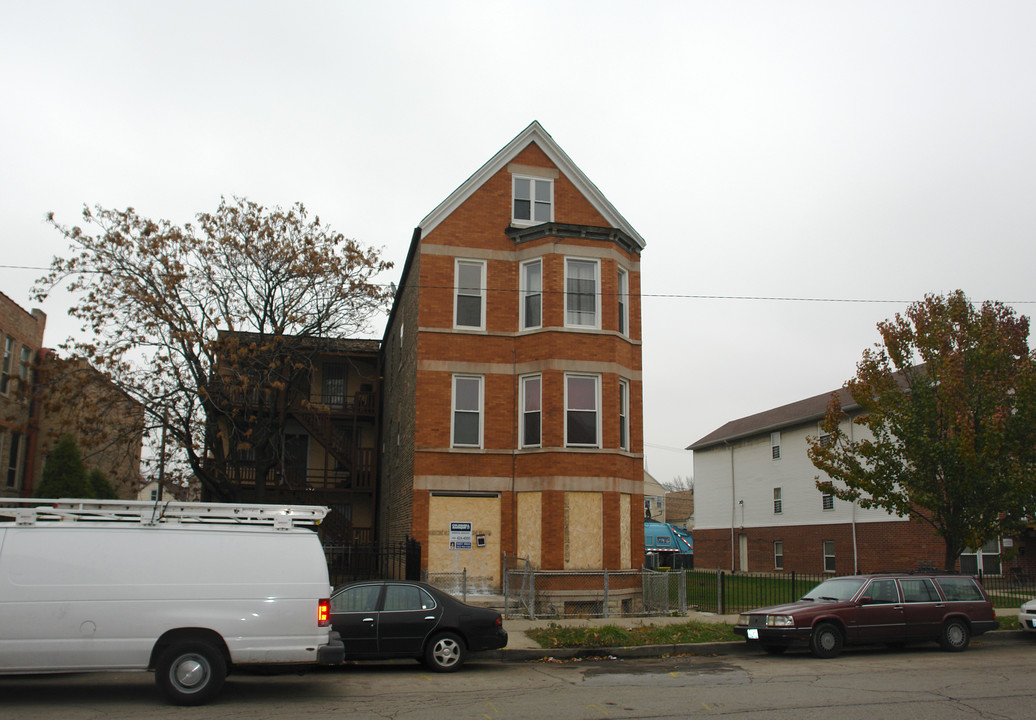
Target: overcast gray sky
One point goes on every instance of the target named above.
(850, 151)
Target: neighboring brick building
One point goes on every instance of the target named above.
(512, 375)
(757, 507)
(679, 508)
(107, 424)
(21, 339)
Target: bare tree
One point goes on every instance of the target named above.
(187, 319)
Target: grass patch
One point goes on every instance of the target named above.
(1009, 622)
(557, 636)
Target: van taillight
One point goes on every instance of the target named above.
(324, 613)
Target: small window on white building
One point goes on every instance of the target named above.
(823, 436)
(775, 445)
(827, 501)
(777, 502)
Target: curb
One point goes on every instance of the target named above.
(734, 647)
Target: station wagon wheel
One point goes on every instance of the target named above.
(190, 673)
(955, 635)
(826, 641)
(444, 653)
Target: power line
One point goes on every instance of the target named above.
(676, 296)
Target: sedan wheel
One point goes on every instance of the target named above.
(955, 636)
(826, 641)
(445, 653)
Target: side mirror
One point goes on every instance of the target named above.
(866, 600)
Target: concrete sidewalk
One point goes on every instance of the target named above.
(522, 648)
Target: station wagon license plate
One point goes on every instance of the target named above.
(753, 633)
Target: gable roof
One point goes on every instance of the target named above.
(532, 134)
(809, 410)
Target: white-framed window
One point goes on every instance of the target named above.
(5, 365)
(775, 445)
(469, 307)
(533, 200)
(582, 285)
(778, 503)
(985, 560)
(778, 555)
(823, 436)
(531, 293)
(624, 415)
(624, 301)
(531, 396)
(827, 501)
(467, 411)
(582, 418)
(829, 556)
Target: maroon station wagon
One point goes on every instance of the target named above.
(893, 609)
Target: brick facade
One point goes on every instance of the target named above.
(423, 470)
(878, 547)
(21, 339)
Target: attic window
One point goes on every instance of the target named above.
(533, 200)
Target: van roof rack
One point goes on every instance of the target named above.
(27, 512)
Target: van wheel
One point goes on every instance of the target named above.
(190, 673)
(955, 635)
(445, 653)
(826, 641)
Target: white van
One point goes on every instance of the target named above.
(189, 590)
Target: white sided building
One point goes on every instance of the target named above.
(757, 507)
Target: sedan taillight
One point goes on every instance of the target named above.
(324, 613)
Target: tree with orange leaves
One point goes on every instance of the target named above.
(948, 401)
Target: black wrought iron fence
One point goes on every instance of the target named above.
(399, 560)
(725, 592)
(1010, 590)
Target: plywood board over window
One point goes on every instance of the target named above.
(530, 524)
(625, 537)
(481, 562)
(584, 544)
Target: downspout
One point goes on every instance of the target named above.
(514, 448)
(856, 556)
(733, 506)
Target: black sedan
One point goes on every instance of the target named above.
(383, 619)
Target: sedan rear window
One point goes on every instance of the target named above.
(959, 588)
(407, 597)
(362, 598)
